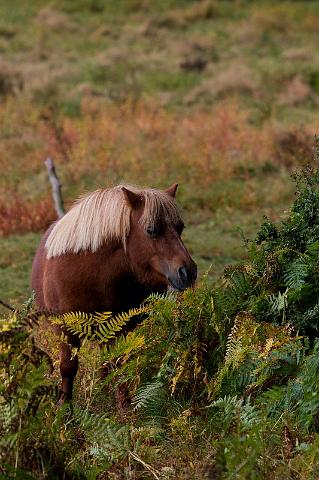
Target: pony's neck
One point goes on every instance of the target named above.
(113, 254)
(121, 286)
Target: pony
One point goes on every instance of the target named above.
(110, 251)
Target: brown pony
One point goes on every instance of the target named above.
(109, 252)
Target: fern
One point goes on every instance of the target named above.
(240, 284)
(219, 345)
(109, 440)
(8, 415)
(169, 296)
(151, 398)
(99, 326)
(278, 302)
(220, 303)
(124, 346)
(233, 343)
(25, 391)
(295, 273)
(249, 415)
(224, 410)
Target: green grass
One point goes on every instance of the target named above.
(16, 255)
(102, 43)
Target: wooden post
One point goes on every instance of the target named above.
(56, 187)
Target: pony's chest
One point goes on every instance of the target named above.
(124, 293)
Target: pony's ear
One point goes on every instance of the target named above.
(171, 191)
(133, 199)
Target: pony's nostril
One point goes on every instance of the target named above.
(182, 272)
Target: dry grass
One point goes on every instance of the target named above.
(295, 93)
(236, 79)
(19, 216)
(138, 143)
(55, 20)
(201, 10)
(292, 146)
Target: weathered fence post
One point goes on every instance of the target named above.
(56, 187)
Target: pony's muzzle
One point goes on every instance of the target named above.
(184, 277)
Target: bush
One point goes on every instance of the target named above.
(284, 257)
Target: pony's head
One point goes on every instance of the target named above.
(154, 245)
(146, 222)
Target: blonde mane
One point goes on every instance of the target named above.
(104, 215)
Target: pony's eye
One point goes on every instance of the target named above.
(153, 231)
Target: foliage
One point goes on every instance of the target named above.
(279, 282)
(249, 385)
(221, 369)
(285, 259)
(101, 326)
(25, 393)
(35, 438)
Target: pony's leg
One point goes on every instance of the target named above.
(68, 368)
(122, 396)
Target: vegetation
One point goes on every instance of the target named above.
(227, 374)
(221, 381)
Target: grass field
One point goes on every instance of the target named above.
(219, 96)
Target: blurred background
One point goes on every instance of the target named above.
(219, 96)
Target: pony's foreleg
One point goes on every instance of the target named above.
(69, 364)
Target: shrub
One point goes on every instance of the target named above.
(285, 259)
(20, 216)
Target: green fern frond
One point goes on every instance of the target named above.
(98, 326)
(217, 303)
(240, 283)
(169, 295)
(232, 341)
(8, 414)
(124, 346)
(223, 410)
(278, 302)
(249, 415)
(101, 317)
(227, 403)
(151, 398)
(296, 272)
(228, 298)
(106, 438)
